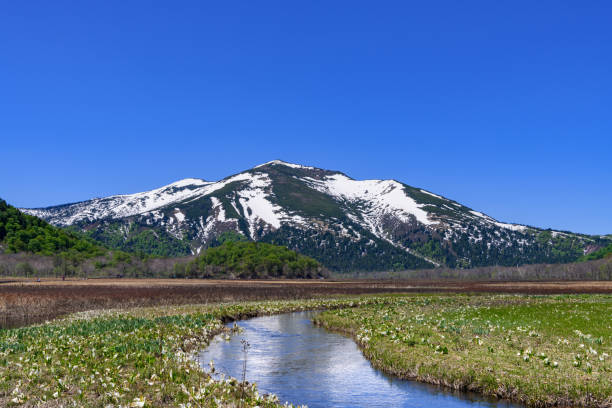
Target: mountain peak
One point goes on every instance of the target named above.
(284, 163)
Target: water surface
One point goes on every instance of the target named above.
(305, 364)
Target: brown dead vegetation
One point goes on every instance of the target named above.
(26, 301)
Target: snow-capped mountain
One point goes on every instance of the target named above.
(345, 223)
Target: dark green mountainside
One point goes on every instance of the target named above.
(605, 252)
(22, 232)
(136, 238)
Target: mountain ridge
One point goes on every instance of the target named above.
(326, 214)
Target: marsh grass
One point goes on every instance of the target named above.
(25, 301)
(538, 350)
(137, 358)
(28, 302)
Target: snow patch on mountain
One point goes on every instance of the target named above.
(180, 217)
(213, 221)
(512, 227)
(379, 196)
(432, 194)
(256, 205)
(258, 208)
(188, 182)
(218, 210)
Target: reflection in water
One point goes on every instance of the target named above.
(304, 364)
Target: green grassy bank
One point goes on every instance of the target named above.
(538, 350)
(138, 358)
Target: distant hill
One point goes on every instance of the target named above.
(21, 232)
(29, 246)
(346, 224)
(253, 260)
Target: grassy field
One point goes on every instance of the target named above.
(541, 350)
(538, 350)
(26, 301)
(132, 358)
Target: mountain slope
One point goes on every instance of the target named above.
(22, 232)
(605, 252)
(344, 223)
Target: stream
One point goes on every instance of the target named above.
(305, 364)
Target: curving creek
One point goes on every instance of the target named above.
(305, 364)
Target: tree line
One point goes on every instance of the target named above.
(600, 269)
(240, 259)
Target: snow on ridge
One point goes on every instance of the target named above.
(254, 195)
(380, 198)
(432, 194)
(481, 215)
(384, 196)
(121, 205)
(284, 163)
(188, 182)
(126, 205)
(512, 227)
(158, 191)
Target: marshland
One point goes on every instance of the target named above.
(535, 350)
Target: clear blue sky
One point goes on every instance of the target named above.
(503, 106)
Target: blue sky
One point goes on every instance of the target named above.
(503, 106)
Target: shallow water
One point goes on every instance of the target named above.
(305, 364)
